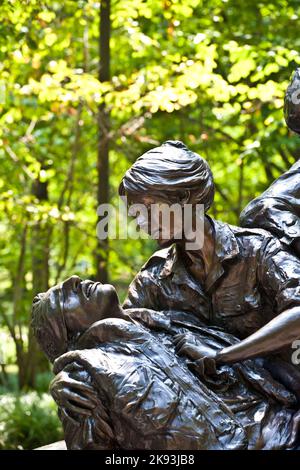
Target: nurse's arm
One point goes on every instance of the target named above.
(279, 333)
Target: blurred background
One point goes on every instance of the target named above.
(85, 88)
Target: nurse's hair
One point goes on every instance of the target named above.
(168, 172)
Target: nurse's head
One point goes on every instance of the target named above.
(167, 175)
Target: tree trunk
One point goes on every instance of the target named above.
(18, 305)
(103, 137)
(40, 240)
(241, 188)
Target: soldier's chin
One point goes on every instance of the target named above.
(105, 291)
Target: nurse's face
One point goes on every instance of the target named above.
(156, 217)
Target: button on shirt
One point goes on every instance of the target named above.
(252, 280)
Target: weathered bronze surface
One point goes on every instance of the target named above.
(200, 354)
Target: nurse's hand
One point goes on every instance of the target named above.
(202, 357)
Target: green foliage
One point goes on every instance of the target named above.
(7, 349)
(210, 73)
(9, 383)
(42, 382)
(28, 421)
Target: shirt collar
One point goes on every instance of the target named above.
(226, 247)
(175, 266)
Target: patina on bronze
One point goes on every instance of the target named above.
(199, 355)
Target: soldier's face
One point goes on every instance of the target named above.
(85, 302)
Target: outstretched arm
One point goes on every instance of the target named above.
(274, 336)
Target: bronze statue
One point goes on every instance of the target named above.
(200, 354)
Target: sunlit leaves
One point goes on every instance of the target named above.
(46, 16)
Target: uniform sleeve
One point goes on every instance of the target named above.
(279, 276)
(143, 291)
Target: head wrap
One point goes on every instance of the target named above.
(48, 323)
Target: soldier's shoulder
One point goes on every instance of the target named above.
(256, 238)
(157, 259)
(243, 235)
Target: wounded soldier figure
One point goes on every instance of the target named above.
(143, 396)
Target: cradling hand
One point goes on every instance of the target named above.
(72, 393)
